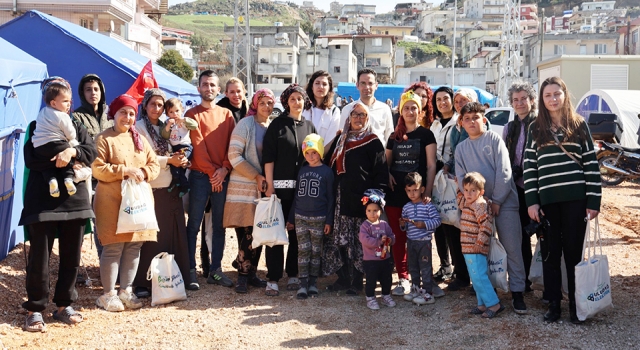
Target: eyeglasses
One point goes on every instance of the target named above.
(359, 115)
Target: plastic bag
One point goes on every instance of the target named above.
(497, 263)
(137, 211)
(268, 223)
(444, 199)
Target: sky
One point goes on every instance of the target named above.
(382, 6)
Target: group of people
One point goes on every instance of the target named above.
(355, 187)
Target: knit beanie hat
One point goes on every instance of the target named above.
(116, 105)
(409, 96)
(314, 142)
(373, 195)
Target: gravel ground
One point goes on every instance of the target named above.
(217, 318)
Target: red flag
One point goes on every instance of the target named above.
(144, 82)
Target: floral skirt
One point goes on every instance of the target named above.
(342, 245)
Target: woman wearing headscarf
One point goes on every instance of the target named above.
(44, 217)
(357, 158)
(122, 154)
(172, 234)
(246, 184)
(410, 148)
(282, 157)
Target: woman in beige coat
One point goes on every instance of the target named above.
(122, 154)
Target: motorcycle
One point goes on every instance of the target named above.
(617, 163)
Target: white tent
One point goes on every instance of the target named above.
(624, 103)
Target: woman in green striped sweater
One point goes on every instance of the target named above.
(562, 182)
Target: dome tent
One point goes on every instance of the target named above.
(20, 79)
(624, 103)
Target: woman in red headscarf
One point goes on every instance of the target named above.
(122, 154)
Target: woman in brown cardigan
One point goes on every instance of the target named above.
(122, 154)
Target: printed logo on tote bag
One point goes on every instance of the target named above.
(602, 291)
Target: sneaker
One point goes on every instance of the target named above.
(423, 298)
(372, 303)
(436, 291)
(129, 300)
(413, 293)
(257, 281)
(402, 287)
(71, 188)
(518, 303)
(110, 302)
(457, 285)
(193, 280)
(54, 190)
(443, 274)
(388, 301)
(218, 277)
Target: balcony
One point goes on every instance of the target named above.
(120, 39)
(145, 21)
(381, 70)
(275, 68)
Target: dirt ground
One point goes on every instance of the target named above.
(217, 318)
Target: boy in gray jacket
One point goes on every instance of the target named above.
(485, 152)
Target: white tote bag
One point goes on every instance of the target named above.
(268, 223)
(536, 276)
(593, 284)
(137, 212)
(444, 199)
(167, 284)
(497, 263)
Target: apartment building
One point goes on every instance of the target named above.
(179, 40)
(629, 42)
(484, 9)
(358, 9)
(390, 29)
(529, 19)
(433, 75)
(598, 5)
(135, 23)
(334, 56)
(412, 8)
(579, 44)
(275, 54)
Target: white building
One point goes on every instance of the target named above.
(334, 56)
(358, 9)
(179, 40)
(484, 8)
(598, 5)
(432, 75)
(132, 22)
(335, 8)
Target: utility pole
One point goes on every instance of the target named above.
(242, 39)
(511, 44)
(453, 52)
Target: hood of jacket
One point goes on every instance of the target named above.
(86, 107)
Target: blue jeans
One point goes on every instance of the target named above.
(477, 266)
(200, 193)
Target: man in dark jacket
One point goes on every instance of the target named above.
(93, 115)
(93, 111)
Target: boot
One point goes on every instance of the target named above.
(518, 303)
(241, 285)
(573, 315)
(553, 314)
(343, 280)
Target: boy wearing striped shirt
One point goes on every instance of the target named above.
(419, 220)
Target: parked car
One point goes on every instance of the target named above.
(277, 110)
(499, 117)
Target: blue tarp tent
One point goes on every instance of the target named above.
(20, 79)
(393, 92)
(71, 51)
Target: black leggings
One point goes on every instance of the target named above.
(452, 234)
(378, 271)
(42, 236)
(566, 236)
(274, 256)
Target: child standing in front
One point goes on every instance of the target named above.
(376, 238)
(312, 213)
(475, 233)
(55, 133)
(177, 131)
(419, 220)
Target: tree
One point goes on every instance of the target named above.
(174, 63)
(200, 43)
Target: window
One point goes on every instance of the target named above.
(337, 47)
(84, 23)
(276, 58)
(372, 62)
(336, 69)
(310, 60)
(376, 41)
(583, 49)
(559, 49)
(257, 41)
(600, 49)
(289, 57)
